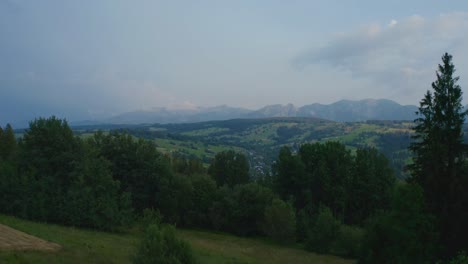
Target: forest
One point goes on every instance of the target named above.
(320, 195)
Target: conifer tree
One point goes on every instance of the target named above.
(439, 155)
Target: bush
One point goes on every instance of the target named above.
(149, 217)
(160, 245)
(324, 231)
(348, 242)
(280, 221)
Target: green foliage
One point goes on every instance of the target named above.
(204, 193)
(175, 199)
(229, 168)
(439, 156)
(349, 241)
(93, 198)
(49, 149)
(405, 234)
(56, 177)
(323, 232)
(187, 166)
(370, 187)
(280, 221)
(11, 188)
(8, 144)
(160, 245)
(241, 210)
(149, 217)
(461, 258)
(329, 167)
(49, 154)
(353, 187)
(290, 179)
(140, 168)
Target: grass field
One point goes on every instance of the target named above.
(12, 239)
(86, 246)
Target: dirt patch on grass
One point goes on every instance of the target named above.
(12, 239)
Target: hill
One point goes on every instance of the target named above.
(261, 139)
(86, 246)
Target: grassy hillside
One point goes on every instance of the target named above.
(86, 246)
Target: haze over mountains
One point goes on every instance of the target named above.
(342, 111)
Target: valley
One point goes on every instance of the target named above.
(260, 139)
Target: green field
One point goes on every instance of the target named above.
(87, 246)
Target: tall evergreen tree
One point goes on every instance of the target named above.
(439, 154)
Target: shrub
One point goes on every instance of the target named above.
(160, 245)
(280, 221)
(324, 231)
(149, 217)
(348, 243)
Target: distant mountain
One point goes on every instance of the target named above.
(164, 115)
(368, 109)
(342, 111)
(276, 110)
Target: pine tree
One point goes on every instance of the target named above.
(439, 153)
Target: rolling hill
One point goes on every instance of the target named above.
(261, 139)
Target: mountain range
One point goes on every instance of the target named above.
(341, 111)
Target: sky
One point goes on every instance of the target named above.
(88, 59)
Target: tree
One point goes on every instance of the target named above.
(230, 168)
(323, 232)
(328, 167)
(290, 179)
(49, 153)
(8, 145)
(241, 209)
(439, 156)
(371, 185)
(204, 193)
(50, 148)
(93, 198)
(405, 234)
(140, 168)
(280, 221)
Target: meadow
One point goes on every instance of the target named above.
(88, 246)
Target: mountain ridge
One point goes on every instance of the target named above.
(341, 111)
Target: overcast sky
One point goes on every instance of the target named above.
(88, 59)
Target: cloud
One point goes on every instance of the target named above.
(392, 23)
(400, 56)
